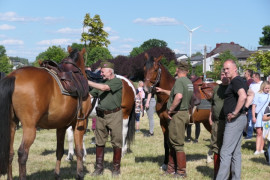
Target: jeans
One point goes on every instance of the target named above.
(250, 125)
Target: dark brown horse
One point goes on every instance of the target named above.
(156, 75)
(32, 96)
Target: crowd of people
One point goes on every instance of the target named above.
(237, 107)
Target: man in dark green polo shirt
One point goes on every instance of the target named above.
(110, 117)
(177, 108)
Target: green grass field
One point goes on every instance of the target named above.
(143, 162)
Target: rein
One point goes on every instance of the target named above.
(156, 81)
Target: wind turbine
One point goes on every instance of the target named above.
(190, 36)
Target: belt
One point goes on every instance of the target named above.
(111, 111)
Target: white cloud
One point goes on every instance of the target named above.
(11, 42)
(107, 29)
(113, 38)
(13, 17)
(181, 42)
(2, 36)
(7, 27)
(55, 42)
(159, 21)
(50, 19)
(68, 30)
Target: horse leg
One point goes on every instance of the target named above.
(70, 144)
(29, 135)
(78, 137)
(84, 150)
(59, 150)
(124, 133)
(207, 126)
(11, 154)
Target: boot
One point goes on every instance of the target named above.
(171, 163)
(99, 161)
(117, 153)
(216, 164)
(181, 165)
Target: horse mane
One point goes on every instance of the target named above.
(74, 55)
(149, 63)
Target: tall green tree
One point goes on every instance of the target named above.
(259, 61)
(77, 46)
(95, 36)
(55, 53)
(98, 53)
(265, 40)
(136, 51)
(5, 65)
(153, 43)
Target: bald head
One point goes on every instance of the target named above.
(230, 68)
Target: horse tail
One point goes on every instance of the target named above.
(6, 91)
(131, 126)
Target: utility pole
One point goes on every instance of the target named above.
(204, 63)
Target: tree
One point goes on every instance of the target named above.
(77, 46)
(5, 65)
(265, 40)
(55, 53)
(259, 61)
(151, 43)
(95, 34)
(198, 71)
(98, 53)
(136, 51)
(197, 54)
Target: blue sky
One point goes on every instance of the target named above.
(28, 27)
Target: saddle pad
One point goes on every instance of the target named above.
(204, 104)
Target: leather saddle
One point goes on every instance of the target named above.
(70, 76)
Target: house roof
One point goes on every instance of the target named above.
(232, 47)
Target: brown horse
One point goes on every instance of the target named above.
(32, 96)
(156, 75)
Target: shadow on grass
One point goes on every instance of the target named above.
(159, 159)
(206, 171)
(249, 145)
(260, 160)
(65, 173)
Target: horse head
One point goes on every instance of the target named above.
(77, 58)
(152, 72)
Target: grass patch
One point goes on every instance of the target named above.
(143, 163)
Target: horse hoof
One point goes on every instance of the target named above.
(69, 157)
(163, 167)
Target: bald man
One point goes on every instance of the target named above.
(236, 120)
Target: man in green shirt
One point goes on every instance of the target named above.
(177, 108)
(217, 119)
(110, 117)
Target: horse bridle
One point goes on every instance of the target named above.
(152, 88)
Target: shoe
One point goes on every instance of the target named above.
(266, 156)
(257, 153)
(188, 140)
(150, 134)
(195, 141)
(261, 152)
(247, 138)
(137, 131)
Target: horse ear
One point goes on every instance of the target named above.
(159, 58)
(39, 62)
(83, 51)
(69, 49)
(146, 56)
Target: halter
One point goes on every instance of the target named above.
(152, 88)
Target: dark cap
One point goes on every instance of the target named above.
(107, 65)
(183, 65)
